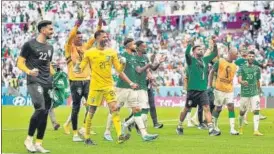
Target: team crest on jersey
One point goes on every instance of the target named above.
(40, 89)
(92, 100)
(107, 58)
(79, 91)
(49, 53)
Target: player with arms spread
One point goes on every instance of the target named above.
(35, 60)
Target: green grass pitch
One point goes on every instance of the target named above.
(15, 122)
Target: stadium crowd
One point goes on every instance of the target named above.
(162, 34)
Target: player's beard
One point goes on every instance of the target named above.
(250, 61)
(103, 43)
(48, 37)
(133, 50)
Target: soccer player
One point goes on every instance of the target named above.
(142, 69)
(226, 70)
(197, 83)
(129, 95)
(249, 78)
(79, 83)
(243, 61)
(35, 60)
(100, 60)
(126, 85)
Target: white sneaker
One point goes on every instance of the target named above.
(217, 129)
(82, 131)
(77, 139)
(234, 132)
(108, 137)
(29, 145)
(39, 148)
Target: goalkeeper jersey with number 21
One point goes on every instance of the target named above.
(101, 62)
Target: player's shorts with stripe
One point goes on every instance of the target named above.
(195, 97)
(39, 96)
(143, 99)
(96, 97)
(247, 102)
(223, 98)
(127, 97)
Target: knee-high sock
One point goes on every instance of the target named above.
(109, 123)
(117, 123)
(144, 116)
(256, 119)
(241, 121)
(88, 125)
(188, 116)
(215, 116)
(195, 114)
(231, 115)
(68, 120)
(129, 120)
(140, 123)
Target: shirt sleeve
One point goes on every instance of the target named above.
(91, 41)
(117, 65)
(237, 62)
(256, 63)
(84, 61)
(187, 54)
(25, 50)
(212, 55)
(216, 66)
(258, 74)
(52, 52)
(239, 73)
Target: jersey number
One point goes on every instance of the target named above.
(249, 76)
(43, 56)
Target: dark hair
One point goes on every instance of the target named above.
(98, 33)
(196, 46)
(42, 24)
(128, 40)
(78, 32)
(251, 52)
(138, 43)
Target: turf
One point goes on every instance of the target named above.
(15, 123)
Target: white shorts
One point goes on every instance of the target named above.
(247, 102)
(127, 97)
(143, 99)
(222, 98)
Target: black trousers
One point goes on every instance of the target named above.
(153, 112)
(78, 89)
(42, 103)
